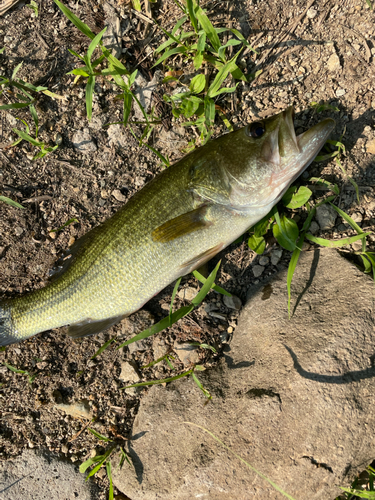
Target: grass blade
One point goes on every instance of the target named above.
(89, 94)
(161, 381)
(208, 28)
(99, 436)
(95, 42)
(10, 202)
(75, 20)
(103, 348)
(172, 299)
(336, 243)
(109, 474)
(197, 275)
(15, 105)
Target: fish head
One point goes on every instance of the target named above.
(265, 157)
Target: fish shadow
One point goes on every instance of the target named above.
(346, 378)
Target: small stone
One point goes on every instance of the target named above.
(81, 409)
(117, 136)
(116, 193)
(232, 302)
(187, 293)
(333, 63)
(370, 147)
(264, 261)
(311, 13)
(64, 448)
(58, 139)
(258, 270)
(128, 372)
(340, 92)
(357, 245)
(314, 227)
(187, 353)
(326, 217)
(159, 348)
(276, 256)
(18, 230)
(83, 142)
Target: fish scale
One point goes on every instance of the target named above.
(178, 221)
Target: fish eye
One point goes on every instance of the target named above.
(256, 130)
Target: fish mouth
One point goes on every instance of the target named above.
(292, 154)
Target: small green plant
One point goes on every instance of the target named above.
(176, 377)
(323, 106)
(368, 490)
(10, 202)
(30, 376)
(23, 90)
(201, 46)
(290, 237)
(99, 460)
(67, 223)
(34, 6)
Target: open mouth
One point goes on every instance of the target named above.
(292, 154)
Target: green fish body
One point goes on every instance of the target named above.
(177, 222)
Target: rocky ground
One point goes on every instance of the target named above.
(322, 52)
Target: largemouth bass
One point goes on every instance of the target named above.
(176, 223)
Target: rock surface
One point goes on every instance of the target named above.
(38, 475)
(292, 397)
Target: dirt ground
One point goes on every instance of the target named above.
(321, 54)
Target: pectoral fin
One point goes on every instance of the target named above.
(182, 225)
(91, 327)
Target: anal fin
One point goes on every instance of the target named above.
(202, 258)
(182, 225)
(91, 327)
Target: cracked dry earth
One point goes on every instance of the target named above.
(322, 51)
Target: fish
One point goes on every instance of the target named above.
(176, 223)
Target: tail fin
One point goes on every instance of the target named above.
(7, 332)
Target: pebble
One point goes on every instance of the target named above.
(116, 193)
(370, 147)
(83, 142)
(340, 92)
(81, 409)
(159, 348)
(258, 270)
(128, 372)
(117, 136)
(314, 227)
(311, 13)
(326, 217)
(187, 353)
(18, 230)
(64, 448)
(333, 64)
(264, 261)
(187, 293)
(357, 245)
(276, 256)
(232, 302)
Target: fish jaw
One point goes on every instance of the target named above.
(275, 161)
(309, 144)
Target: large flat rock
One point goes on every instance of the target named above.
(292, 397)
(41, 475)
